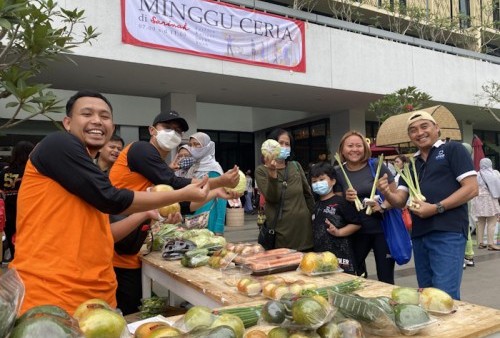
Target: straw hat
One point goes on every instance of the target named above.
(394, 130)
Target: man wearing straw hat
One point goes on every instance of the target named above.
(441, 182)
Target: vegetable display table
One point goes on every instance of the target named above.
(205, 286)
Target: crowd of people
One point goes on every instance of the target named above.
(84, 193)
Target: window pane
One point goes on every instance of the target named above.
(318, 130)
(301, 133)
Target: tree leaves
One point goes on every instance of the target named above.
(36, 32)
(401, 101)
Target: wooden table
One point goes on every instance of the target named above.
(205, 286)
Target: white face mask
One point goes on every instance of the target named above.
(168, 139)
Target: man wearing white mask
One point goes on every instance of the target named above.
(141, 165)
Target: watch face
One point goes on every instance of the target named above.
(440, 208)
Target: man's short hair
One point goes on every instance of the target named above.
(85, 93)
(117, 138)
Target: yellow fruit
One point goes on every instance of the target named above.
(99, 323)
(168, 209)
(433, 299)
(198, 316)
(309, 262)
(91, 304)
(256, 334)
(405, 295)
(163, 332)
(329, 261)
(144, 330)
(232, 321)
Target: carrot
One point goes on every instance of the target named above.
(272, 255)
(283, 260)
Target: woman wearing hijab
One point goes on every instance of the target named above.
(202, 149)
(485, 205)
(183, 161)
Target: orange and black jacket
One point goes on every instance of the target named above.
(64, 245)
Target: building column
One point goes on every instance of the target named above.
(185, 105)
(129, 134)
(343, 121)
(467, 128)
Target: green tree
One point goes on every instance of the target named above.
(401, 101)
(32, 34)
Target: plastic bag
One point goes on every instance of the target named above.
(297, 313)
(407, 218)
(198, 221)
(396, 236)
(11, 298)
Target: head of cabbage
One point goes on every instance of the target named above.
(242, 184)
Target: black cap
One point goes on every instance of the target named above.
(171, 116)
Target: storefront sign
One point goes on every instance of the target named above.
(215, 30)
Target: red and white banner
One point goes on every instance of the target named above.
(215, 30)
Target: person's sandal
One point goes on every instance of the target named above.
(493, 247)
(481, 246)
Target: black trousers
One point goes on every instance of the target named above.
(362, 244)
(129, 292)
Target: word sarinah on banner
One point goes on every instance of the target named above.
(216, 30)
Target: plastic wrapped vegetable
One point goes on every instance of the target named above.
(195, 258)
(11, 296)
(301, 313)
(375, 318)
(411, 318)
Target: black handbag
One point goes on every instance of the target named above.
(132, 243)
(267, 234)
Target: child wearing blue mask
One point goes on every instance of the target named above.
(334, 219)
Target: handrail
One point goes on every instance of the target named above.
(361, 29)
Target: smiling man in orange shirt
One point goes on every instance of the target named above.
(64, 245)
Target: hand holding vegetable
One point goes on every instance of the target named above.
(369, 210)
(172, 218)
(198, 191)
(383, 185)
(351, 195)
(230, 178)
(423, 209)
(226, 194)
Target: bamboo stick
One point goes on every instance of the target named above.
(375, 179)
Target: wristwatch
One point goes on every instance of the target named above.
(383, 207)
(440, 208)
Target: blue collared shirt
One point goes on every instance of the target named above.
(439, 177)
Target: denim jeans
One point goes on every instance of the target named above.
(439, 259)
